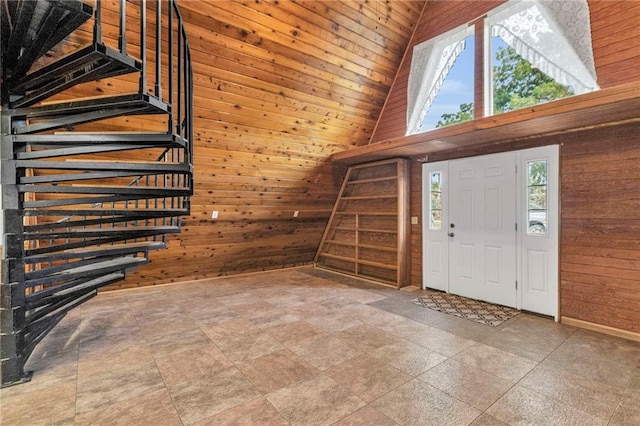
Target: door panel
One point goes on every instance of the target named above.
(539, 235)
(482, 216)
(435, 244)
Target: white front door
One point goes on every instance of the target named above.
(491, 228)
(482, 228)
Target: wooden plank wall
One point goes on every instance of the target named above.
(279, 87)
(600, 188)
(600, 228)
(615, 28)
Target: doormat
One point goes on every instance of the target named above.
(473, 310)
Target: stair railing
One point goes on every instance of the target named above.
(33, 316)
(180, 75)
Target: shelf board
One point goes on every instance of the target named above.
(366, 246)
(359, 261)
(377, 264)
(335, 256)
(385, 231)
(368, 213)
(369, 197)
(372, 180)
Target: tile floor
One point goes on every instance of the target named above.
(306, 347)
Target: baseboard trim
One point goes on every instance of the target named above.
(605, 329)
(199, 280)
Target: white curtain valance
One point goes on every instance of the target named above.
(430, 65)
(555, 36)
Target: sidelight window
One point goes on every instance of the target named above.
(537, 213)
(435, 201)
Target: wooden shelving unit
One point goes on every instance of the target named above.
(367, 233)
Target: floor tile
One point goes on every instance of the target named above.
(628, 411)
(104, 339)
(118, 355)
(36, 407)
(487, 420)
(177, 342)
(521, 406)
(250, 346)
(366, 336)
(273, 319)
(314, 401)
(468, 329)
(154, 408)
(441, 341)
(103, 389)
(308, 310)
(401, 327)
(276, 370)
(191, 364)
(225, 330)
(408, 357)
(468, 384)
(238, 299)
(366, 416)
(602, 358)
(367, 377)
(209, 395)
(206, 316)
(417, 403)
(159, 327)
(334, 322)
(326, 351)
(530, 337)
(255, 412)
(496, 362)
(294, 333)
(576, 391)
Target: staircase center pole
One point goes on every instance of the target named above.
(12, 295)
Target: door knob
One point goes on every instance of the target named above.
(451, 234)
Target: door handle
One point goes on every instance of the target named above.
(451, 234)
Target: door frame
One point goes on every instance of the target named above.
(524, 241)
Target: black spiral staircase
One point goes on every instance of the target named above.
(83, 204)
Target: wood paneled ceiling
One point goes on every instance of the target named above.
(280, 86)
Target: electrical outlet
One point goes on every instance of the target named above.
(295, 214)
(414, 220)
(214, 214)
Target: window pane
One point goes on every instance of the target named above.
(537, 173)
(537, 198)
(435, 201)
(519, 84)
(454, 102)
(436, 219)
(537, 222)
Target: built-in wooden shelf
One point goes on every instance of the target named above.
(364, 237)
(603, 108)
